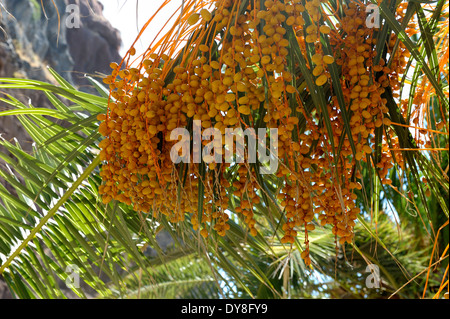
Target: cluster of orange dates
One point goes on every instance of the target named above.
(249, 79)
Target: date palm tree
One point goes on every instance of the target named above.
(60, 227)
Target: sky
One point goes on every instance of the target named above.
(122, 15)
